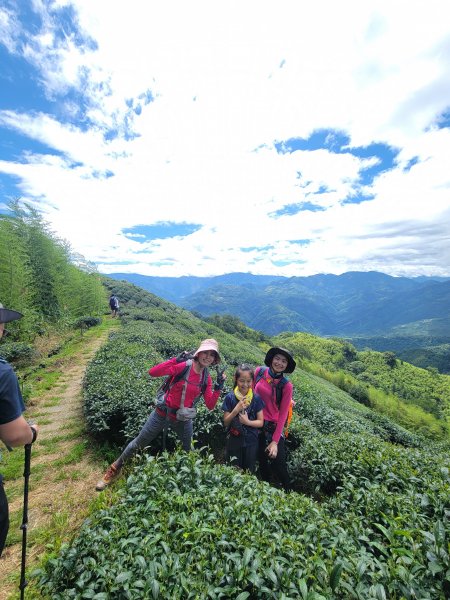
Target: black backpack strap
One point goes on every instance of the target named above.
(171, 380)
(279, 389)
(260, 374)
(204, 380)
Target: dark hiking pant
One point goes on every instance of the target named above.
(152, 428)
(241, 456)
(273, 466)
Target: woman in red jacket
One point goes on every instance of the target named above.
(177, 409)
(276, 393)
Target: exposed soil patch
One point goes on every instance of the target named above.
(64, 471)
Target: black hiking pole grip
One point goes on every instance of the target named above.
(24, 526)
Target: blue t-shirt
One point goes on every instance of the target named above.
(250, 433)
(11, 401)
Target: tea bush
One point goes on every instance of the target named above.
(86, 322)
(183, 527)
(17, 352)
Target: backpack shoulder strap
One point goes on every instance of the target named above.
(260, 374)
(279, 389)
(204, 380)
(171, 380)
(182, 374)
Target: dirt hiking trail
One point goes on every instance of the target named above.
(64, 470)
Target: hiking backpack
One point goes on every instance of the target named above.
(278, 395)
(171, 380)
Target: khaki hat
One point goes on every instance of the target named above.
(209, 344)
(7, 315)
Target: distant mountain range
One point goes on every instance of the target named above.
(351, 304)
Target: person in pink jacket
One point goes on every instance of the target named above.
(176, 410)
(271, 448)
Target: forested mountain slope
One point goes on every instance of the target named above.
(365, 373)
(369, 303)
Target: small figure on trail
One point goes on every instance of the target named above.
(114, 305)
(276, 392)
(14, 429)
(243, 417)
(188, 380)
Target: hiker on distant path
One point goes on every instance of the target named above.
(14, 430)
(114, 305)
(243, 418)
(272, 450)
(176, 410)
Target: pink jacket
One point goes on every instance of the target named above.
(266, 390)
(173, 398)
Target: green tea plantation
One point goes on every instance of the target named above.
(369, 517)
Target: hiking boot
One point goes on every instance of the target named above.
(112, 473)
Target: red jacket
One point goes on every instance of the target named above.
(266, 390)
(173, 398)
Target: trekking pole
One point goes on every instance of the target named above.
(24, 526)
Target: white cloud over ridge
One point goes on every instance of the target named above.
(171, 112)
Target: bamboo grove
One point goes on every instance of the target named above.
(41, 277)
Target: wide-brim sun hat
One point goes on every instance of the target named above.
(7, 315)
(271, 353)
(209, 344)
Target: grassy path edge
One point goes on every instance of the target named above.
(64, 465)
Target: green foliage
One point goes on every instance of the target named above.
(428, 357)
(39, 278)
(17, 351)
(375, 525)
(417, 399)
(86, 322)
(235, 326)
(184, 527)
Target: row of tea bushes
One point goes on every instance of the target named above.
(184, 527)
(383, 488)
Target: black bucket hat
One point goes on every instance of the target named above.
(271, 353)
(6, 315)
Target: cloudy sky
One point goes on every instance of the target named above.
(201, 137)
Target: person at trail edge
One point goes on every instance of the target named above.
(114, 305)
(14, 429)
(243, 418)
(177, 407)
(272, 449)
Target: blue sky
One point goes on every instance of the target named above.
(203, 137)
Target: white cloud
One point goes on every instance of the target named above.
(229, 80)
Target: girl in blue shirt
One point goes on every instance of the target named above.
(243, 417)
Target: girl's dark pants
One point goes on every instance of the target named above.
(277, 465)
(244, 456)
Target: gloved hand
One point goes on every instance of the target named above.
(185, 355)
(221, 377)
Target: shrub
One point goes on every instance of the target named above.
(86, 322)
(18, 352)
(183, 527)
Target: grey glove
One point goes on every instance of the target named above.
(185, 355)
